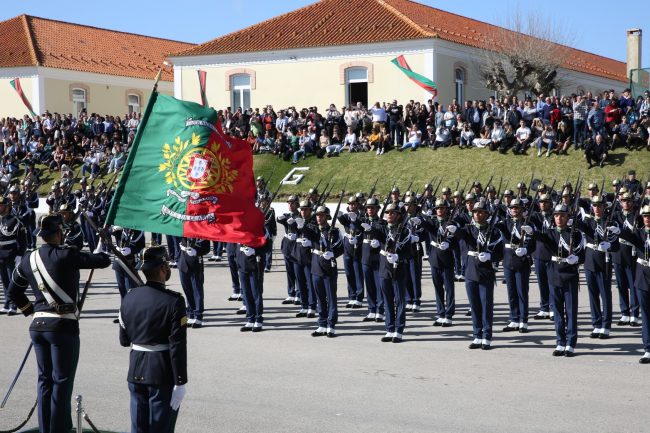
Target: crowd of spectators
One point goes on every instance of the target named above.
(62, 142)
(594, 124)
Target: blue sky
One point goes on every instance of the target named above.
(591, 26)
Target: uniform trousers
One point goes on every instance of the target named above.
(305, 286)
(644, 306)
(517, 283)
(234, 273)
(565, 307)
(414, 281)
(172, 247)
(252, 292)
(481, 302)
(354, 276)
(57, 354)
(6, 268)
(328, 313)
(541, 270)
(150, 409)
(627, 295)
(124, 282)
(373, 288)
(394, 291)
(89, 234)
(443, 283)
(291, 276)
(600, 290)
(192, 283)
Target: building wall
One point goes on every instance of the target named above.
(10, 103)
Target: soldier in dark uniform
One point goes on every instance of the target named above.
(190, 272)
(130, 242)
(72, 234)
(327, 245)
(352, 253)
(394, 255)
(55, 328)
(567, 245)
(484, 245)
(250, 262)
(463, 217)
(632, 184)
(414, 272)
(54, 199)
(302, 255)
(312, 198)
(261, 188)
(31, 200)
(600, 240)
(231, 254)
(13, 242)
(92, 206)
(441, 230)
(640, 238)
(516, 264)
(287, 220)
(153, 323)
(371, 223)
(624, 263)
(542, 222)
(271, 227)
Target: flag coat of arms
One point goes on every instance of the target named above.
(185, 177)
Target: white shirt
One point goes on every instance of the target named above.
(523, 132)
(378, 114)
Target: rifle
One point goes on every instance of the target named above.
(408, 188)
(325, 196)
(435, 191)
(268, 179)
(315, 187)
(335, 218)
(372, 191)
(639, 205)
(265, 211)
(575, 206)
(489, 181)
(457, 184)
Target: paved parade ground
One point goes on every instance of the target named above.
(284, 380)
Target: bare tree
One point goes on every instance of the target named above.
(527, 55)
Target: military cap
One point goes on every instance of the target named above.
(14, 188)
(260, 178)
(313, 191)
(491, 188)
(392, 208)
(428, 186)
(90, 188)
(54, 187)
(622, 190)
(516, 203)
(441, 203)
(360, 196)
(153, 257)
(566, 192)
(265, 196)
(323, 210)
(627, 196)
(446, 190)
(408, 193)
(545, 198)
(521, 185)
(57, 183)
(477, 184)
(372, 202)
(647, 185)
(592, 186)
(410, 200)
(508, 193)
(353, 199)
(616, 182)
(395, 189)
(49, 224)
(542, 187)
(470, 197)
(645, 210)
(65, 207)
(597, 200)
(457, 194)
(83, 180)
(567, 185)
(292, 198)
(561, 208)
(304, 203)
(481, 206)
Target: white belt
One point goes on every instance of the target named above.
(592, 246)
(150, 347)
(318, 253)
(434, 244)
(40, 314)
(510, 246)
(642, 262)
(624, 242)
(287, 235)
(558, 259)
(473, 253)
(384, 253)
(349, 236)
(13, 241)
(367, 241)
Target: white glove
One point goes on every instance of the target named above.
(90, 214)
(484, 257)
(415, 239)
(282, 217)
(366, 226)
(191, 252)
(306, 243)
(125, 251)
(570, 222)
(521, 251)
(99, 248)
(300, 223)
(444, 245)
(614, 229)
(392, 258)
(117, 228)
(339, 214)
(177, 396)
(451, 229)
(604, 246)
(248, 251)
(17, 261)
(527, 229)
(416, 221)
(352, 216)
(353, 240)
(291, 236)
(429, 212)
(328, 255)
(572, 259)
(374, 243)
(496, 202)
(291, 220)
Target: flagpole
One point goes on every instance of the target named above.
(156, 79)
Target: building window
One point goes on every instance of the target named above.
(241, 91)
(459, 75)
(356, 80)
(134, 103)
(78, 101)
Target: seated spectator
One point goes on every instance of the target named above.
(546, 141)
(508, 139)
(413, 140)
(374, 140)
(466, 136)
(484, 139)
(252, 141)
(442, 137)
(522, 138)
(564, 135)
(323, 142)
(497, 136)
(350, 141)
(596, 151)
(118, 159)
(90, 165)
(57, 158)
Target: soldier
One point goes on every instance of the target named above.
(522, 194)
(130, 242)
(327, 246)
(370, 261)
(600, 240)
(13, 242)
(640, 238)
(302, 255)
(52, 271)
(92, 206)
(72, 230)
(261, 187)
(516, 264)
(287, 220)
(632, 184)
(484, 245)
(271, 227)
(414, 272)
(566, 244)
(231, 254)
(54, 199)
(395, 252)
(153, 323)
(477, 188)
(624, 263)
(441, 234)
(190, 273)
(463, 218)
(542, 222)
(352, 253)
(250, 262)
(312, 197)
(31, 199)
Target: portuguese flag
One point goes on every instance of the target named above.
(185, 177)
(418, 79)
(15, 83)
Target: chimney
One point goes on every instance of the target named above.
(633, 50)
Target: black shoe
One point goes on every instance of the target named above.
(594, 335)
(379, 319)
(257, 329)
(116, 320)
(623, 323)
(604, 336)
(557, 352)
(468, 313)
(509, 329)
(348, 305)
(301, 314)
(437, 323)
(635, 324)
(397, 339)
(644, 360)
(331, 335)
(523, 330)
(311, 315)
(486, 347)
(386, 339)
(318, 334)
(266, 271)
(197, 325)
(540, 317)
(245, 329)
(287, 302)
(241, 311)
(368, 319)
(447, 325)
(569, 354)
(475, 346)
(356, 306)
(298, 302)
(234, 297)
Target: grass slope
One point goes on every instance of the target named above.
(451, 163)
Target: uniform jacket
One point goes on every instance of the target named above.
(479, 240)
(324, 239)
(436, 231)
(562, 242)
(514, 237)
(595, 231)
(129, 238)
(370, 255)
(12, 237)
(626, 254)
(640, 238)
(187, 263)
(542, 222)
(395, 241)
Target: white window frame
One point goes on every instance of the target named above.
(460, 85)
(133, 108)
(240, 89)
(349, 81)
(76, 109)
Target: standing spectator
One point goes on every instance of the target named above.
(579, 117)
(596, 120)
(378, 115)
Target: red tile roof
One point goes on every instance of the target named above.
(33, 41)
(336, 22)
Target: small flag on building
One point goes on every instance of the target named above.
(418, 79)
(15, 83)
(185, 177)
(202, 78)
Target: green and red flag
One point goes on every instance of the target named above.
(202, 79)
(15, 83)
(185, 177)
(418, 79)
